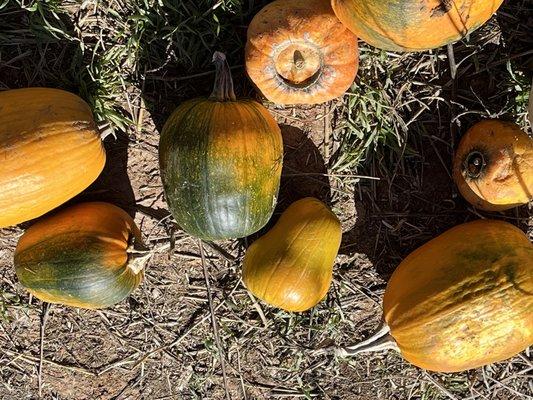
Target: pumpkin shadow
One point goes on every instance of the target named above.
(304, 174)
(113, 184)
(416, 199)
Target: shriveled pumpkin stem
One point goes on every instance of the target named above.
(223, 88)
(138, 255)
(105, 130)
(381, 340)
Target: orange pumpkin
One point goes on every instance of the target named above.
(493, 166)
(461, 301)
(298, 52)
(291, 266)
(413, 25)
(89, 255)
(50, 149)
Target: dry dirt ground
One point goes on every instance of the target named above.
(159, 343)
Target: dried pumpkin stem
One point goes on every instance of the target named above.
(138, 255)
(223, 88)
(381, 340)
(105, 130)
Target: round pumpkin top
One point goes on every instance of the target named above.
(413, 25)
(50, 150)
(298, 52)
(493, 166)
(82, 256)
(291, 266)
(463, 299)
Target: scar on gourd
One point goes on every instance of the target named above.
(444, 7)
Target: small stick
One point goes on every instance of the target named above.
(214, 320)
(44, 318)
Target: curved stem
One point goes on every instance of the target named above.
(223, 88)
(105, 130)
(379, 341)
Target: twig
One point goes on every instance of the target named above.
(36, 360)
(214, 320)
(44, 318)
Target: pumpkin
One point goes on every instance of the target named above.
(50, 149)
(220, 161)
(89, 255)
(413, 25)
(461, 301)
(298, 52)
(291, 266)
(493, 166)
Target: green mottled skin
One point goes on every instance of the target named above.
(69, 270)
(221, 166)
(390, 25)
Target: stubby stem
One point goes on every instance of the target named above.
(138, 255)
(223, 88)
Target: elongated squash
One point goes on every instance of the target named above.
(413, 25)
(461, 301)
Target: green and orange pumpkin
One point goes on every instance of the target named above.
(220, 161)
(413, 25)
(89, 255)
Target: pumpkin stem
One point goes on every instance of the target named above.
(138, 255)
(105, 130)
(474, 164)
(223, 88)
(381, 340)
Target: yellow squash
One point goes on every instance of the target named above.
(291, 266)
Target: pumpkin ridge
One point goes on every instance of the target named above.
(442, 309)
(280, 260)
(305, 271)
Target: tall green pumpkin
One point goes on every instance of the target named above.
(220, 161)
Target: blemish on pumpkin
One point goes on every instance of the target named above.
(444, 7)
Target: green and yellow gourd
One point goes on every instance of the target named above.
(89, 255)
(220, 161)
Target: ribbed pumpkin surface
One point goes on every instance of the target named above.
(298, 52)
(291, 266)
(78, 257)
(50, 151)
(464, 299)
(412, 25)
(221, 167)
